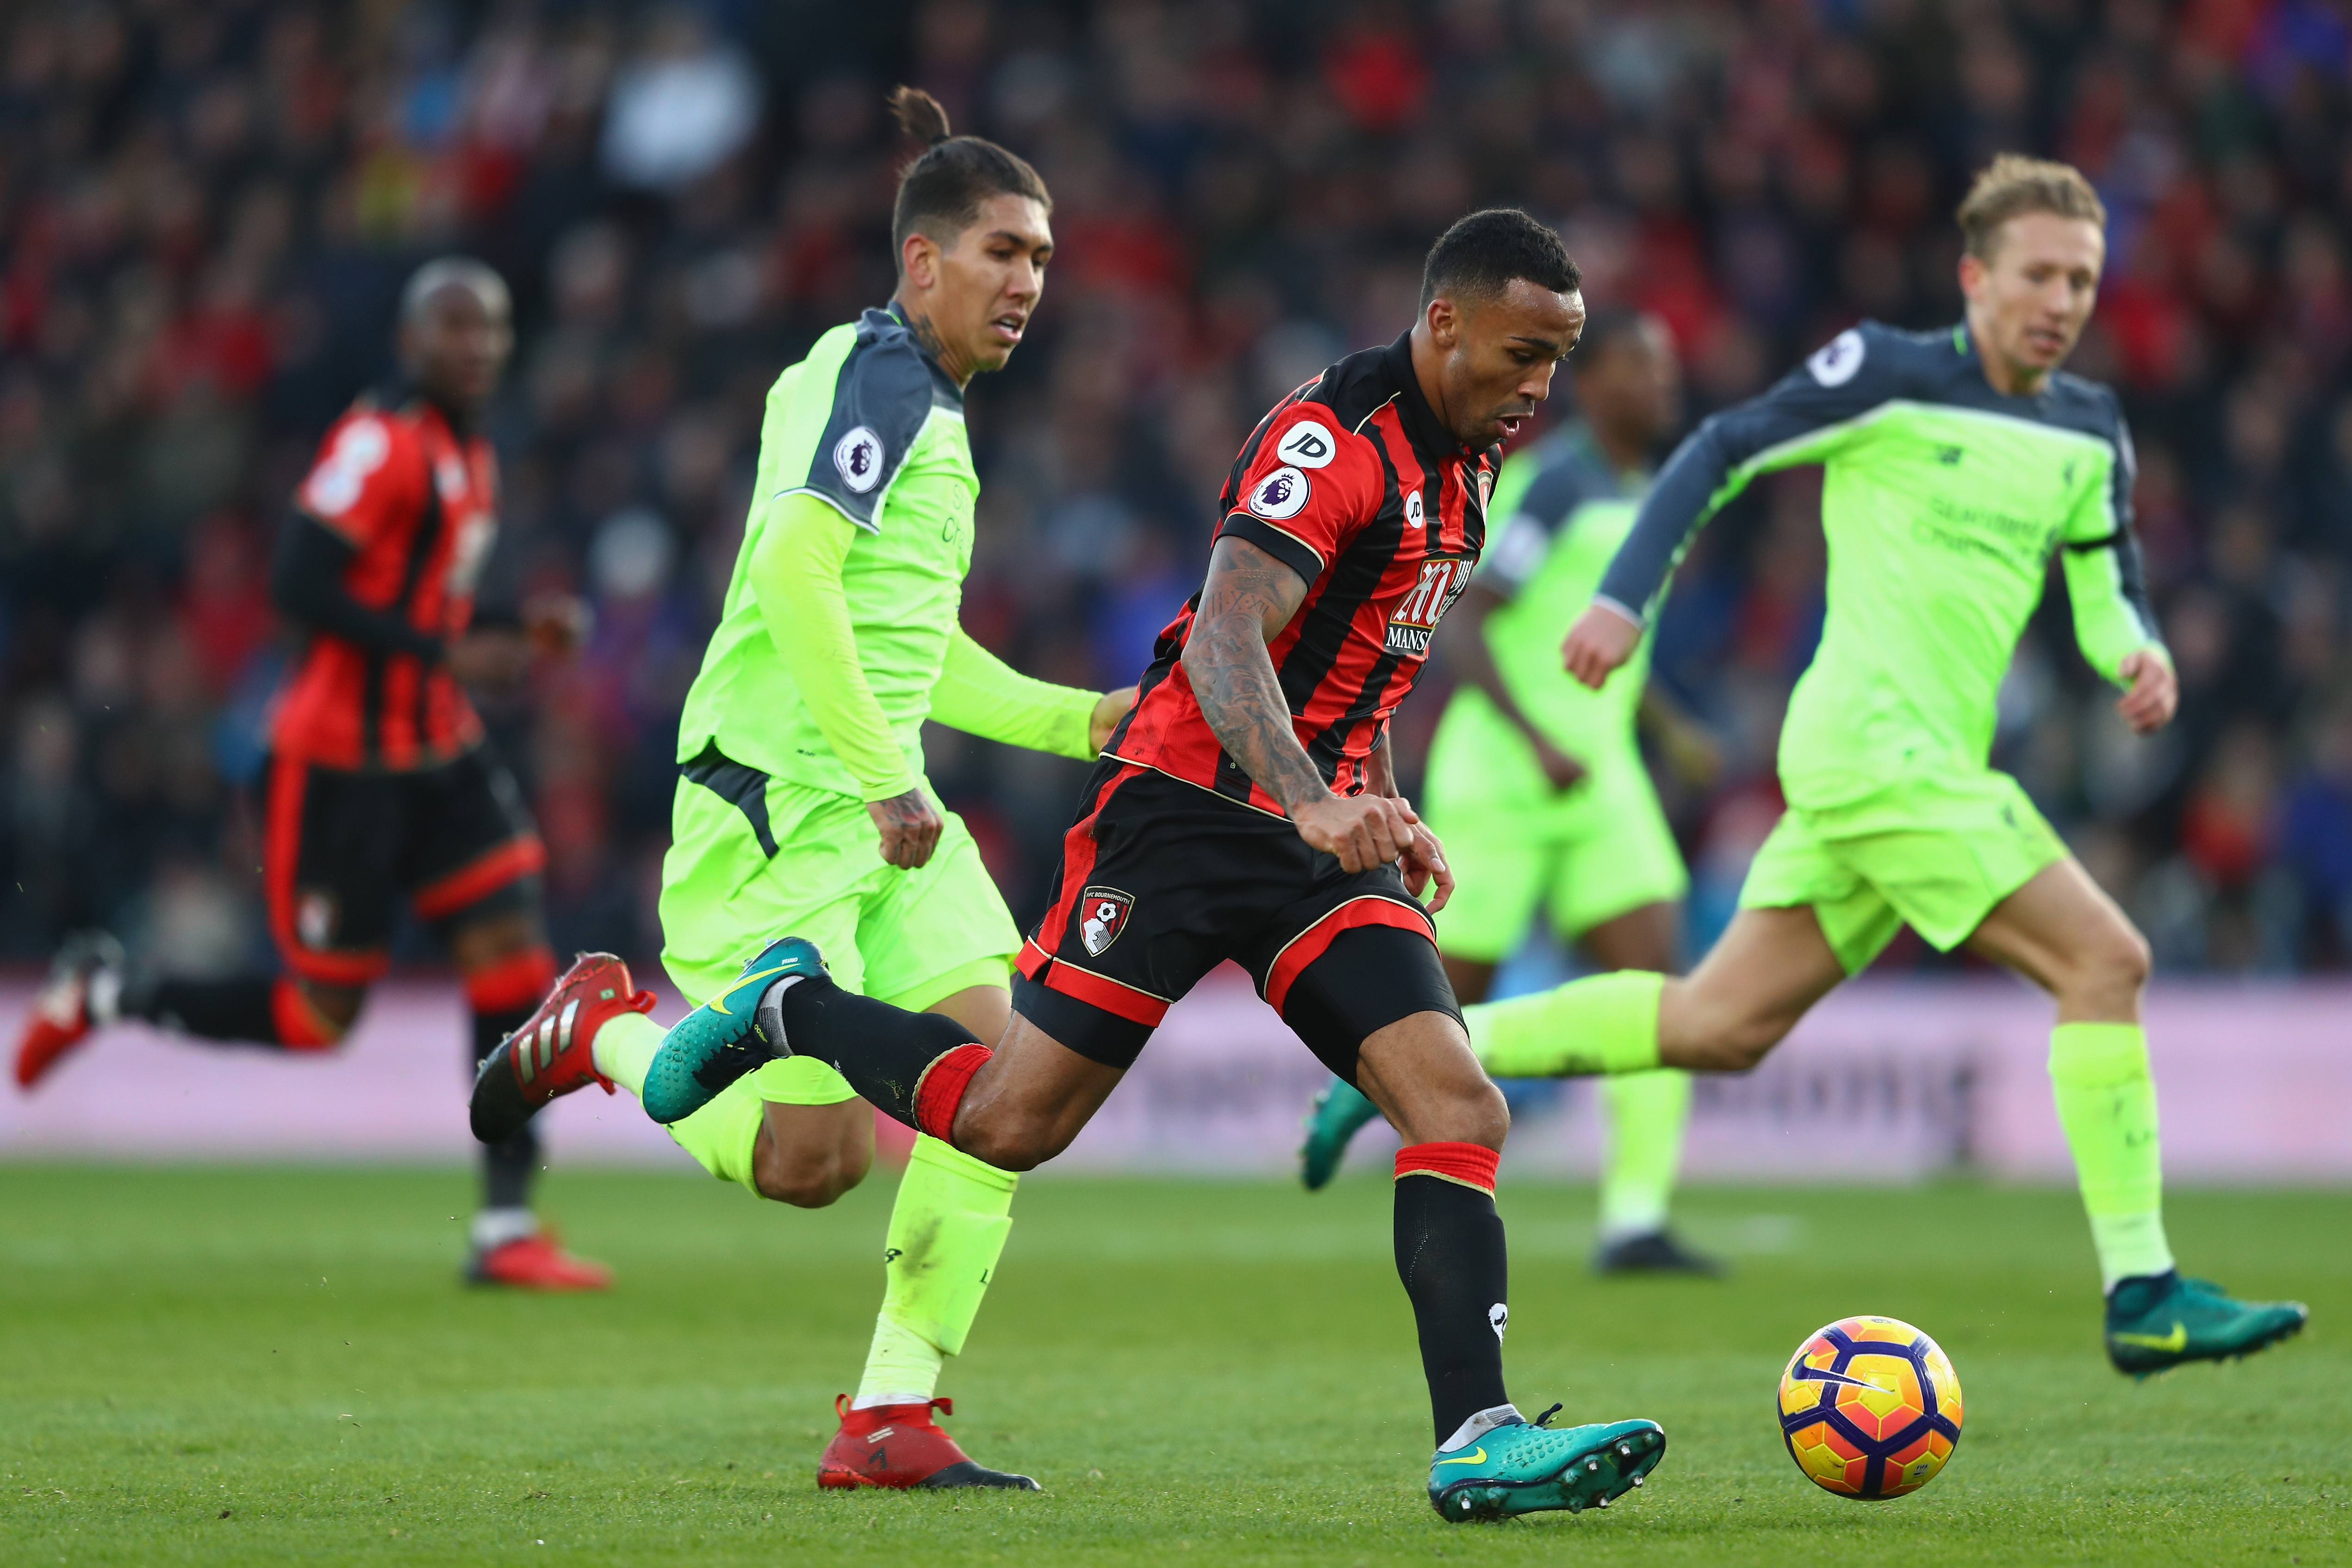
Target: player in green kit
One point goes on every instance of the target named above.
(803, 807)
(1959, 462)
(1538, 787)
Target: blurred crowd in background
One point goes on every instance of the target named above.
(207, 207)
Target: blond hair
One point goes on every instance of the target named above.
(2014, 185)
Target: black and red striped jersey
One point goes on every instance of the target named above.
(418, 501)
(1351, 481)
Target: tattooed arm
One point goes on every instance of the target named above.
(1249, 598)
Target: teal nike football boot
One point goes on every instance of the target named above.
(1526, 1467)
(722, 1040)
(2159, 1321)
(1337, 1115)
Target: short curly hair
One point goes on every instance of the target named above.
(1480, 254)
(2013, 185)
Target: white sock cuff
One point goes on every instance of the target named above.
(496, 1228)
(868, 1401)
(1481, 1424)
(624, 1049)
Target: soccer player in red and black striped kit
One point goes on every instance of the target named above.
(380, 785)
(1247, 809)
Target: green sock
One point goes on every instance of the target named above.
(1646, 1111)
(947, 1230)
(2106, 1102)
(1602, 1023)
(623, 1048)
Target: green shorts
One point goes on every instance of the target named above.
(1936, 853)
(1587, 854)
(909, 938)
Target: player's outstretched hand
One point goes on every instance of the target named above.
(1109, 709)
(910, 827)
(2148, 706)
(1601, 641)
(1362, 830)
(1423, 863)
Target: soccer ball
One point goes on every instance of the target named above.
(1870, 1408)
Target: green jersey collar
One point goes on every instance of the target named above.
(890, 316)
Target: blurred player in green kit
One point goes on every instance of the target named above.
(803, 806)
(1537, 786)
(1959, 463)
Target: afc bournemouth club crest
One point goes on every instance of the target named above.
(1102, 915)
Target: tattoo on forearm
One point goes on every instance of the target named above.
(1249, 598)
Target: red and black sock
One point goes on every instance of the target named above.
(503, 995)
(1451, 1255)
(246, 1009)
(912, 1067)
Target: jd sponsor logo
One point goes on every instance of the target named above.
(1307, 446)
(1102, 915)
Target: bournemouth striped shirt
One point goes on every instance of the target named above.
(418, 501)
(1353, 483)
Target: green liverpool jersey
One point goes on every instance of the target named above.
(1942, 503)
(869, 425)
(1567, 509)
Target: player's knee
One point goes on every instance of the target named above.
(806, 1186)
(2121, 959)
(1488, 1116)
(1471, 1111)
(1009, 1147)
(809, 1182)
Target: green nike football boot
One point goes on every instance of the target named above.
(1336, 1115)
(2158, 1321)
(1526, 1467)
(722, 1040)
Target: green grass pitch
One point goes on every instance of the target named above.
(275, 1365)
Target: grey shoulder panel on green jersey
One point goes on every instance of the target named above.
(1850, 380)
(883, 395)
(1572, 471)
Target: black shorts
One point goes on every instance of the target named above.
(1162, 881)
(342, 848)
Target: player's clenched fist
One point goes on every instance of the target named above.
(910, 827)
(2155, 692)
(1601, 639)
(1423, 864)
(1363, 831)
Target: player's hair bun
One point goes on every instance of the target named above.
(920, 115)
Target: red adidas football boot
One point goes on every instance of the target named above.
(553, 1052)
(63, 1014)
(536, 1262)
(900, 1445)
